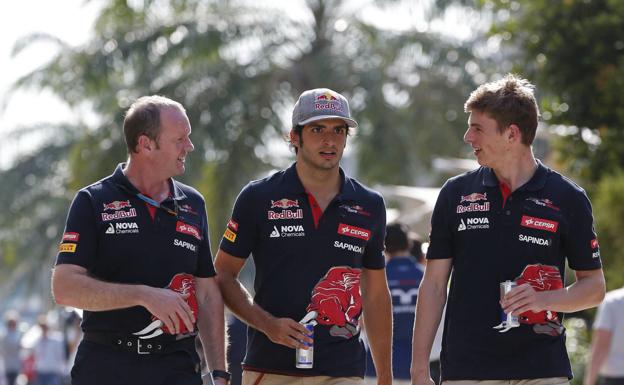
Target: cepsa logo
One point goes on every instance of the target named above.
(352, 231)
(184, 228)
(539, 223)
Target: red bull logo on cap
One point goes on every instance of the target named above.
(326, 96)
(116, 205)
(474, 197)
(327, 101)
(284, 203)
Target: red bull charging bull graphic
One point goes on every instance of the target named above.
(116, 205)
(284, 203)
(336, 302)
(183, 284)
(541, 278)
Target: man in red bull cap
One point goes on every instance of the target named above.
(135, 257)
(316, 237)
(512, 219)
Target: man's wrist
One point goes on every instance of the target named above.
(221, 374)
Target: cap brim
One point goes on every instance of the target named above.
(350, 122)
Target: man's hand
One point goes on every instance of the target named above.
(288, 332)
(523, 298)
(170, 307)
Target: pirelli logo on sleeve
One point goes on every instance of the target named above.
(67, 248)
(229, 235)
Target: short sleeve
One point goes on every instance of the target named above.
(440, 238)
(241, 230)
(79, 241)
(205, 267)
(581, 244)
(373, 254)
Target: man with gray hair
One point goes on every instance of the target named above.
(135, 256)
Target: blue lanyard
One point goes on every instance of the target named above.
(152, 202)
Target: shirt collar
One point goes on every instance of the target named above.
(537, 181)
(120, 179)
(293, 183)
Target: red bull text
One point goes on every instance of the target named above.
(305, 357)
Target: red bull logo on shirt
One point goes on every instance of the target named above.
(473, 207)
(284, 203)
(285, 214)
(474, 197)
(336, 301)
(119, 215)
(116, 205)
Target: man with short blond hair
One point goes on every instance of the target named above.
(513, 219)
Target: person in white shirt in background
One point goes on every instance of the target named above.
(10, 348)
(49, 355)
(607, 352)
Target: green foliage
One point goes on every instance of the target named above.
(574, 51)
(237, 67)
(610, 223)
(578, 346)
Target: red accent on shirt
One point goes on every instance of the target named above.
(505, 191)
(151, 209)
(316, 209)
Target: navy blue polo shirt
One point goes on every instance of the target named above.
(111, 233)
(404, 276)
(305, 261)
(547, 221)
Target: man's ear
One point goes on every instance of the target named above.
(144, 144)
(294, 138)
(513, 133)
